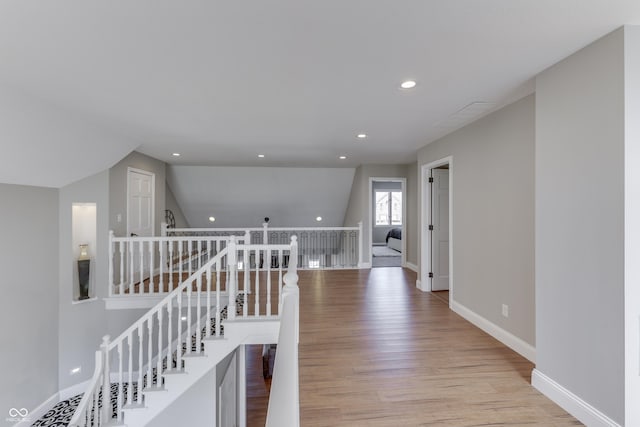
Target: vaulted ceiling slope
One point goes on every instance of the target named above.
(244, 196)
(221, 81)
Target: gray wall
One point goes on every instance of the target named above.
(81, 325)
(244, 196)
(358, 205)
(172, 204)
(410, 230)
(118, 190)
(493, 223)
(579, 224)
(379, 233)
(632, 225)
(29, 316)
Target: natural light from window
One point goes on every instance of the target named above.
(388, 208)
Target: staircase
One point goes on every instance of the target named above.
(191, 330)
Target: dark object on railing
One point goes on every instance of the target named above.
(268, 358)
(169, 218)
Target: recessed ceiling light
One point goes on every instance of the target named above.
(318, 218)
(261, 156)
(362, 135)
(408, 84)
(183, 318)
(176, 154)
(212, 219)
(342, 157)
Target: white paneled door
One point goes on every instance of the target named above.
(140, 204)
(440, 233)
(140, 219)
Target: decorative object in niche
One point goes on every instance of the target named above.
(84, 265)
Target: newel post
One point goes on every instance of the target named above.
(105, 415)
(232, 268)
(265, 233)
(111, 255)
(360, 245)
(163, 229)
(291, 289)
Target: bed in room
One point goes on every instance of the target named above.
(394, 239)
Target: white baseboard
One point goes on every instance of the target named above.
(571, 403)
(411, 266)
(419, 286)
(364, 265)
(507, 338)
(37, 413)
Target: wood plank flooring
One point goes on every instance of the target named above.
(375, 351)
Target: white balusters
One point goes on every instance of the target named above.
(106, 381)
(170, 336)
(120, 387)
(140, 361)
(268, 261)
(189, 317)
(198, 314)
(160, 347)
(111, 266)
(130, 366)
(232, 264)
(179, 346)
(122, 247)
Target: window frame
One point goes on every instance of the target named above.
(389, 207)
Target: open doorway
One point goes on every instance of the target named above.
(436, 265)
(387, 206)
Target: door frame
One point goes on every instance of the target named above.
(403, 186)
(425, 236)
(153, 198)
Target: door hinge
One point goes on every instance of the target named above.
(430, 179)
(431, 275)
(431, 227)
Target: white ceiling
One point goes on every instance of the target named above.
(221, 81)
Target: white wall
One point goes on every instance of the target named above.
(493, 223)
(29, 315)
(580, 224)
(195, 408)
(243, 196)
(632, 224)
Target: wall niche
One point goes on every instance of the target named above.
(83, 247)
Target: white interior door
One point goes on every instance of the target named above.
(140, 205)
(227, 397)
(140, 219)
(440, 233)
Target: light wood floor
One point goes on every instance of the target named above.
(375, 351)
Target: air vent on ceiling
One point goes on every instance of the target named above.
(466, 115)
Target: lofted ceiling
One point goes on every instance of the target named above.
(244, 196)
(223, 81)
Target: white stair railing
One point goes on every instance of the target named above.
(319, 247)
(155, 265)
(133, 363)
(284, 399)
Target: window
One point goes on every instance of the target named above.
(388, 207)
